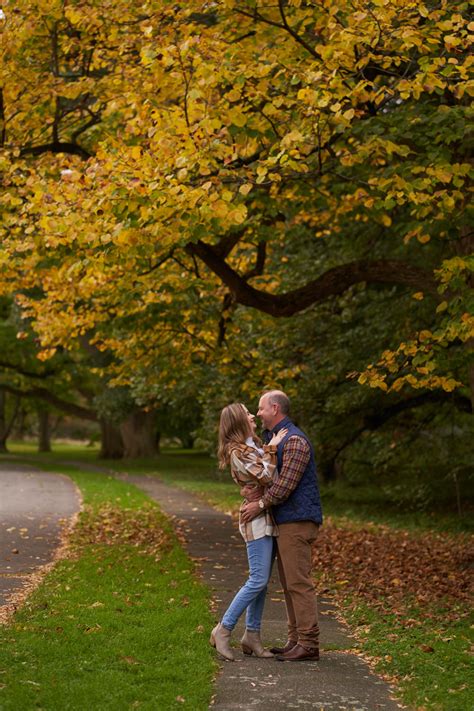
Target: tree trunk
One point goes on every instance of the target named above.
(44, 440)
(465, 247)
(20, 428)
(5, 423)
(139, 435)
(111, 441)
(187, 440)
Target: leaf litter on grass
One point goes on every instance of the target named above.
(141, 528)
(386, 567)
(412, 591)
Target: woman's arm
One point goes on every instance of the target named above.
(250, 466)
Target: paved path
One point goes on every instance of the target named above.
(34, 508)
(340, 680)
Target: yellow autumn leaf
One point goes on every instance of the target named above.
(237, 117)
(245, 189)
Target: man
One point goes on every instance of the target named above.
(296, 505)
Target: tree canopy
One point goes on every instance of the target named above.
(180, 181)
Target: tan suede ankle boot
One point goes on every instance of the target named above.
(252, 644)
(220, 639)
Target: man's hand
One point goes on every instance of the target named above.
(250, 511)
(251, 492)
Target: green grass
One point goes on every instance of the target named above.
(432, 660)
(193, 471)
(369, 503)
(111, 628)
(434, 681)
(198, 473)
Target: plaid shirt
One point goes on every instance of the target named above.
(296, 455)
(249, 464)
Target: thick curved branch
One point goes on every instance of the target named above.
(29, 373)
(56, 147)
(333, 282)
(43, 394)
(227, 243)
(259, 265)
(378, 417)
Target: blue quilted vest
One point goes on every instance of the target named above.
(304, 503)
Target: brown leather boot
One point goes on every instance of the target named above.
(220, 639)
(299, 654)
(283, 650)
(252, 644)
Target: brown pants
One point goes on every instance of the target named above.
(294, 567)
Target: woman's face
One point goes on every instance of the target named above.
(251, 419)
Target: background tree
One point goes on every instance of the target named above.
(179, 180)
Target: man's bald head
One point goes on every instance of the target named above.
(273, 407)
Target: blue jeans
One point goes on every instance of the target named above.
(251, 596)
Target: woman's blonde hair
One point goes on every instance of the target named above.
(234, 428)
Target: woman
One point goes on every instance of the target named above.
(250, 465)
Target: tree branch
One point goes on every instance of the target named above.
(380, 416)
(333, 282)
(295, 35)
(282, 26)
(27, 373)
(259, 265)
(59, 147)
(227, 243)
(43, 394)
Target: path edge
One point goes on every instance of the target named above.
(17, 599)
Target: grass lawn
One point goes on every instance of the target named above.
(198, 472)
(427, 651)
(424, 650)
(120, 624)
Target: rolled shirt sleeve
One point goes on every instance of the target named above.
(296, 456)
(254, 466)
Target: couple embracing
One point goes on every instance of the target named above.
(280, 514)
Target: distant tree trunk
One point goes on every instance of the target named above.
(187, 440)
(111, 441)
(470, 347)
(20, 427)
(139, 435)
(464, 247)
(44, 432)
(331, 469)
(5, 423)
(327, 470)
